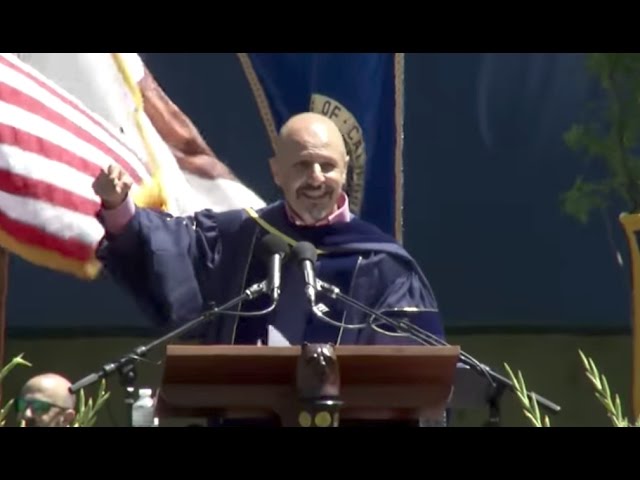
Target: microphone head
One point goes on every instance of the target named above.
(272, 245)
(305, 251)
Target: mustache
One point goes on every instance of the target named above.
(312, 189)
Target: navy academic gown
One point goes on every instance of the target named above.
(177, 267)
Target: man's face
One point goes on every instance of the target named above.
(37, 407)
(311, 175)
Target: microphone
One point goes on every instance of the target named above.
(272, 249)
(497, 383)
(306, 256)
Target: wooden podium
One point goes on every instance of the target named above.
(373, 382)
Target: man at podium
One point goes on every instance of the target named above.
(177, 267)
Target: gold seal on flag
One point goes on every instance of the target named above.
(353, 137)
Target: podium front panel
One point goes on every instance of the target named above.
(377, 382)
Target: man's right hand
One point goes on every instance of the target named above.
(112, 186)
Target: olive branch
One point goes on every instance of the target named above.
(603, 393)
(612, 404)
(15, 362)
(529, 404)
(87, 411)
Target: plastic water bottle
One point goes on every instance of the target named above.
(143, 410)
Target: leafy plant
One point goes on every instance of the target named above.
(612, 137)
(600, 384)
(603, 393)
(530, 406)
(87, 411)
(17, 361)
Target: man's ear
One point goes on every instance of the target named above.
(274, 171)
(68, 417)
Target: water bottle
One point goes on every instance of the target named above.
(143, 410)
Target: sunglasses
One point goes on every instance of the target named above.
(39, 407)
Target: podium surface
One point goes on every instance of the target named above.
(376, 382)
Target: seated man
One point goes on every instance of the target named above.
(45, 401)
(175, 267)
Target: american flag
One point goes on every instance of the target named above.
(51, 149)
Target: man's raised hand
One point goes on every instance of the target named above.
(112, 186)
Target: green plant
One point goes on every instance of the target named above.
(603, 393)
(16, 361)
(529, 405)
(612, 406)
(87, 411)
(612, 137)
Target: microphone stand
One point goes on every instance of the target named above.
(126, 366)
(498, 382)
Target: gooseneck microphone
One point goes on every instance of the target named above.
(305, 254)
(272, 250)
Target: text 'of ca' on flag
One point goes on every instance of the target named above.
(363, 93)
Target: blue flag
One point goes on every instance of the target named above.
(363, 94)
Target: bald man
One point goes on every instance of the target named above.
(175, 267)
(45, 401)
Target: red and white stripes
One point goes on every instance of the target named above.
(51, 149)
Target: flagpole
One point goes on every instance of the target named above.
(4, 287)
